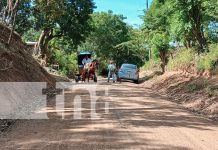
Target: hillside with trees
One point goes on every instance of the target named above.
(182, 34)
(183, 39)
(58, 27)
(174, 33)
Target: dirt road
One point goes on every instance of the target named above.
(137, 119)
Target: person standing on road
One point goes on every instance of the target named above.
(111, 71)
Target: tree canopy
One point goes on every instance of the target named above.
(192, 23)
(113, 39)
(68, 18)
(64, 27)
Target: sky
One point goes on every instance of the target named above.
(131, 9)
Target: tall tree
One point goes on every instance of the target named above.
(62, 18)
(21, 10)
(191, 14)
(9, 15)
(157, 26)
(135, 47)
(109, 31)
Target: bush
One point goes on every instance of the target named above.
(204, 62)
(184, 58)
(102, 67)
(152, 64)
(67, 62)
(207, 61)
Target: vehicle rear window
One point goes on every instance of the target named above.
(129, 66)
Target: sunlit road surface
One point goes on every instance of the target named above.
(136, 119)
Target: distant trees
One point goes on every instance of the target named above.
(113, 39)
(108, 31)
(167, 24)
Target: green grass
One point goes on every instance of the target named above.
(151, 65)
(207, 61)
(204, 62)
(182, 59)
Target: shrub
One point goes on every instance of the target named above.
(183, 58)
(207, 61)
(152, 64)
(67, 62)
(204, 62)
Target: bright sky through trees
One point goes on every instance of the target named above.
(131, 9)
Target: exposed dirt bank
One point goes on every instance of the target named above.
(18, 65)
(197, 94)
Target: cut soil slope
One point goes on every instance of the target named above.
(18, 65)
(24, 68)
(197, 94)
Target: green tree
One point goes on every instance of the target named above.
(109, 30)
(160, 45)
(191, 14)
(194, 22)
(62, 53)
(17, 15)
(157, 26)
(65, 18)
(24, 16)
(135, 46)
(211, 20)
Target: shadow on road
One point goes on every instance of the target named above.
(133, 111)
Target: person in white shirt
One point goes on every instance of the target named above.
(111, 71)
(86, 60)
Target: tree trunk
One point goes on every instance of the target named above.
(10, 16)
(196, 17)
(187, 44)
(164, 59)
(43, 42)
(38, 47)
(188, 40)
(147, 4)
(12, 29)
(201, 40)
(163, 67)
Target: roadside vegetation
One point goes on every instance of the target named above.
(182, 33)
(65, 28)
(206, 61)
(58, 27)
(113, 39)
(176, 34)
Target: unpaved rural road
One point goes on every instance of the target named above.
(137, 119)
